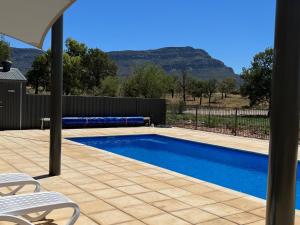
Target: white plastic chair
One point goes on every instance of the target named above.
(17, 208)
(18, 180)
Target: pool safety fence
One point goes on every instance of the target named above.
(247, 122)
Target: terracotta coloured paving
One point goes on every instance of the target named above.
(114, 190)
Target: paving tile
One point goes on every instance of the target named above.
(221, 209)
(134, 189)
(243, 218)
(261, 222)
(171, 205)
(141, 179)
(175, 192)
(179, 182)
(135, 222)
(197, 188)
(93, 186)
(259, 212)
(217, 222)
(244, 204)
(111, 217)
(83, 220)
(95, 206)
(118, 183)
(151, 196)
(164, 219)
(157, 186)
(123, 201)
(196, 200)
(82, 197)
(194, 215)
(142, 211)
(219, 196)
(108, 193)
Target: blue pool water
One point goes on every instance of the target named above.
(231, 168)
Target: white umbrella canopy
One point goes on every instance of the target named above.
(30, 20)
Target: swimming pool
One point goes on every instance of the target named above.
(231, 168)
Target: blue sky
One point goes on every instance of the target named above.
(229, 30)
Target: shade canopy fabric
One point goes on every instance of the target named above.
(30, 20)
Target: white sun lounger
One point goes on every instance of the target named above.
(17, 208)
(17, 180)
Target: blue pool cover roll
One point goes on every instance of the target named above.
(94, 121)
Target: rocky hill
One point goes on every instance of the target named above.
(22, 58)
(173, 60)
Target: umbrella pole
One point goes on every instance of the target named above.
(284, 115)
(56, 97)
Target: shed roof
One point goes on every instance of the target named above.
(13, 75)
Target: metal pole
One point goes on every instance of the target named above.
(235, 121)
(284, 115)
(56, 97)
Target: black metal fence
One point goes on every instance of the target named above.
(36, 107)
(241, 122)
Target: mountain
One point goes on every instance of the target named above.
(196, 62)
(22, 58)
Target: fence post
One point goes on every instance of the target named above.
(196, 125)
(235, 121)
(209, 116)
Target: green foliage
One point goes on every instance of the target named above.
(172, 84)
(96, 66)
(210, 88)
(257, 78)
(74, 48)
(39, 75)
(84, 70)
(5, 52)
(72, 72)
(110, 86)
(148, 81)
(227, 86)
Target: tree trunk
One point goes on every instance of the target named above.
(209, 99)
(200, 100)
(36, 86)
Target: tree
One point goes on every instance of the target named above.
(148, 81)
(257, 78)
(96, 66)
(5, 52)
(39, 75)
(110, 86)
(200, 85)
(75, 48)
(183, 83)
(172, 84)
(72, 72)
(210, 89)
(226, 86)
(230, 85)
(222, 88)
(84, 69)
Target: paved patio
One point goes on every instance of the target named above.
(113, 190)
